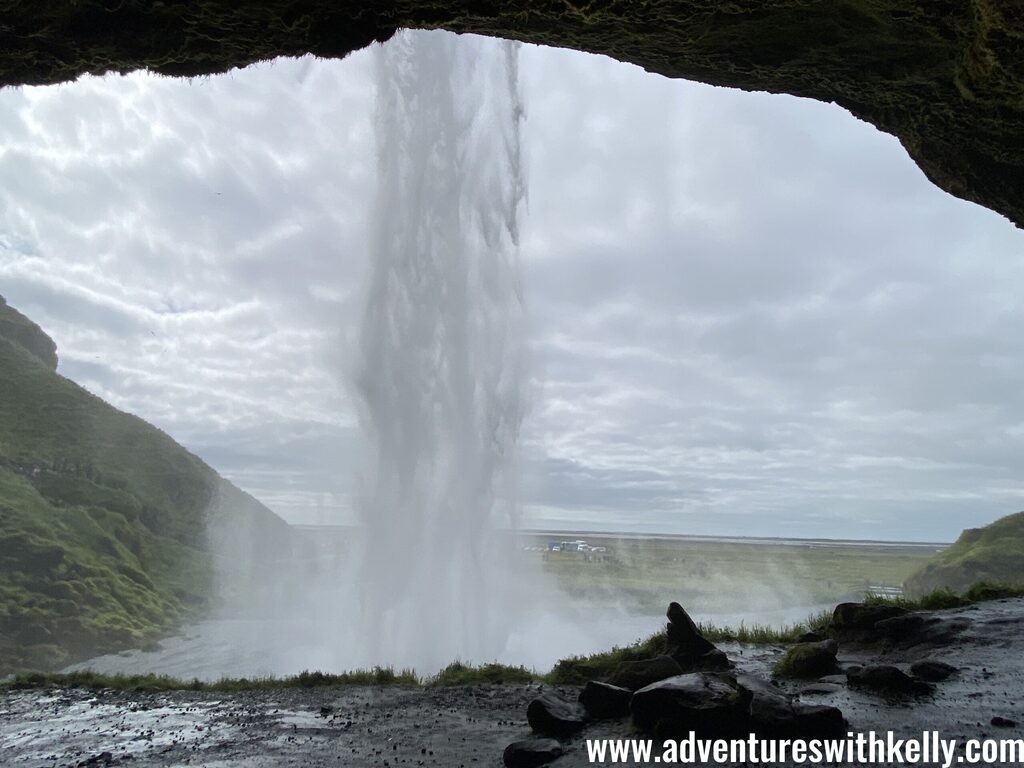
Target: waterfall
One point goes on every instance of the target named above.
(440, 370)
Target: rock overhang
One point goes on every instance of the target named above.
(945, 77)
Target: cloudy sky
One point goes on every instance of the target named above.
(750, 314)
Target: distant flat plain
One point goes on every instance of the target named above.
(715, 575)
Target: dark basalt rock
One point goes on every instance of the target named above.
(706, 703)
(531, 753)
(809, 660)
(837, 679)
(714, 660)
(932, 671)
(683, 640)
(1003, 722)
(920, 629)
(821, 687)
(635, 675)
(856, 621)
(103, 758)
(945, 78)
(685, 644)
(775, 714)
(551, 716)
(818, 720)
(604, 701)
(883, 678)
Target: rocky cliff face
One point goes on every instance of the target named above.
(15, 327)
(106, 524)
(945, 77)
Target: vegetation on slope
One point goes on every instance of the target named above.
(27, 335)
(994, 553)
(103, 541)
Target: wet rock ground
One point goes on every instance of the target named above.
(471, 726)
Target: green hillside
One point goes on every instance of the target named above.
(104, 519)
(994, 553)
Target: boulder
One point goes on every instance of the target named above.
(809, 660)
(920, 629)
(604, 701)
(103, 758)
(550, 715)
(837, 679)
(856, 621)
(714, 660)
(776, 714)
(531, 753)
(812, 636)
(1003, 722)
(820, 688)
(706, 703)
(771, 709)
(818, 721)
(932, 671)
(684, 642)
(884, 678)
(635, 675)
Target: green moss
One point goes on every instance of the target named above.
(806, 661)
(458, 673)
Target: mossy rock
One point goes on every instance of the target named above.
(808, 660)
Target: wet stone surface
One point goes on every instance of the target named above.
(390, 726)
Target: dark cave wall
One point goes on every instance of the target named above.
(944, 76)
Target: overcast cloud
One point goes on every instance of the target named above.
(751, 314)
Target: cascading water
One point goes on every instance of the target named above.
(440, 373)
(432, 575)
(439, 379)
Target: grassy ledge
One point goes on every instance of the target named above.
(455, 673)
(944, 598)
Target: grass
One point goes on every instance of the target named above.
(764, 634)
(456, 673)
(576, 670)
(97, 681)
(943, 597)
